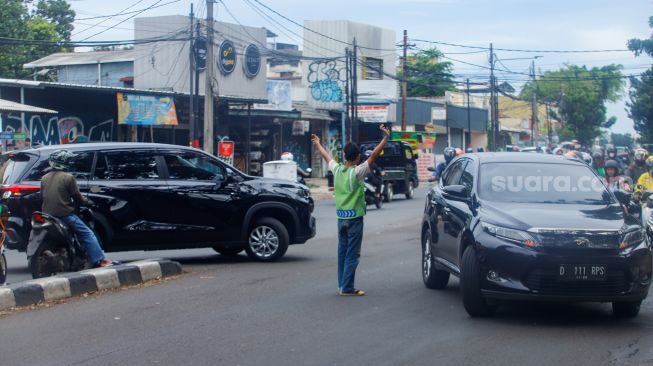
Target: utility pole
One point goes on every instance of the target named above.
(354, 94)
(533, 105)
(197, 90)
(469, 120)
(493, 98)
(191, 99)
(404, 82)
(347, 105)
(208, 82)
(548, 123)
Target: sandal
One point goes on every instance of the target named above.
(356, 292)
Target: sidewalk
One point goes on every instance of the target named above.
(319, 189)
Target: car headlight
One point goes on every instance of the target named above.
(514, 236)
(632, 238)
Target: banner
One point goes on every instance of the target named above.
(416, 140)
(226, 151)
(146, 110)
(372, 113)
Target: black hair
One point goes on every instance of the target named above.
(352, 151)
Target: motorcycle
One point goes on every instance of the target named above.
(53, 247)
(4, 216)
(301, 174)
(371, 194)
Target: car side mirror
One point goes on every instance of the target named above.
(456, 192)
(622, 196)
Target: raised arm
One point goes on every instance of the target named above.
(318, 146)
(377, 150)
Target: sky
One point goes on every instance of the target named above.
(513, 24)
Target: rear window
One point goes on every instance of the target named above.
(13, 170)
(80, 167)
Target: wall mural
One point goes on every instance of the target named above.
(325, 81)
(59, 130)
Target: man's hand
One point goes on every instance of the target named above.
(315, 140)
(386, 132)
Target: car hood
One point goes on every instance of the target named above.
(526, 216)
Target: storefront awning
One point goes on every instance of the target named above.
(9, 106)
(310, 113)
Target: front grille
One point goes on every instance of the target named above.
(545, 281)
(596, 240)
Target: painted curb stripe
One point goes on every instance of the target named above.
(27, 294)
(170, 268)
(7, 299)
(81, 283)
(129, 275)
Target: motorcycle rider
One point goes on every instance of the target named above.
(638, 167)
(613, 179)
(597, 164)
(60, 194)
(376, 174)
(449, 154)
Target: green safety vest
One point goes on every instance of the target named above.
(350, 193)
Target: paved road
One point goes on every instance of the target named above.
(236, 312)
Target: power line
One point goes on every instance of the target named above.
(125, 13)
(104, 20)
(520, 50)
(318, 33)
(124, 20)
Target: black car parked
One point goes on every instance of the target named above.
(155, 196)
(517, 226)
(399, 165)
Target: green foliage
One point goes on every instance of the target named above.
(622, 139)
(640, 107)
(427, 75)
(50, 20)
(581, 94)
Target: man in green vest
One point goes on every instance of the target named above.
(350, 207)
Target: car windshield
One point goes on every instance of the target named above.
(541, 183)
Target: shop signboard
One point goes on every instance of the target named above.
(438, 114)
(227, 57)
(372, 113)
(226, 151)
(199, 51)
(279, 96)
(252, 64)
(146, 110)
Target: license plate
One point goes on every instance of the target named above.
(582, 272)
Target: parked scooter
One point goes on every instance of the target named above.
(4, 216)
(53, 247)
(301, 174)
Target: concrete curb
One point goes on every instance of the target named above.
(74, 284)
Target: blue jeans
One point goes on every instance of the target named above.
(86, 237)
(350, 238)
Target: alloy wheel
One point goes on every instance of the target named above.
(264, 241)
(426, 261)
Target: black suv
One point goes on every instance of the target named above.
(398, 161)
(517, 226)
(156, 196)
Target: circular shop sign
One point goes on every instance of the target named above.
(227, 57)
(252, 62)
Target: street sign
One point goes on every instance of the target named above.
(6, 135)
(226, 151)
(199, 51)
(227, 57)
(19, 136)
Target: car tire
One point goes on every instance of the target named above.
(410, 190)
(389, 194)
(432, 277)
(629, 309)
(3, 269)
(470, 286)
(228, 252)
(267, 240)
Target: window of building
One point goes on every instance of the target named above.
(372, 68)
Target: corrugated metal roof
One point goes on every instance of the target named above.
(9, 106)
(82, 58)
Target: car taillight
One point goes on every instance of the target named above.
(20, 189)
(38, 218)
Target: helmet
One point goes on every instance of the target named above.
(640, 155)
(459, 151)
(469, 150)
(286, 156)
(597, 155)
(649, 163)
(558, 151)
(611, 164)
(611, 152)
(61, 159)
(480, 149)
(449, 153)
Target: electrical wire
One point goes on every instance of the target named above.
(106, 19)
(124, 20)
(126, 13)
(519, 50)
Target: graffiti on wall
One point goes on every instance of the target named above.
(324, 81)
(54, 130)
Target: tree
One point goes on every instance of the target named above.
(580, 94)
(50, 21)
(622, 139)
(428, 76)
(640, 107)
